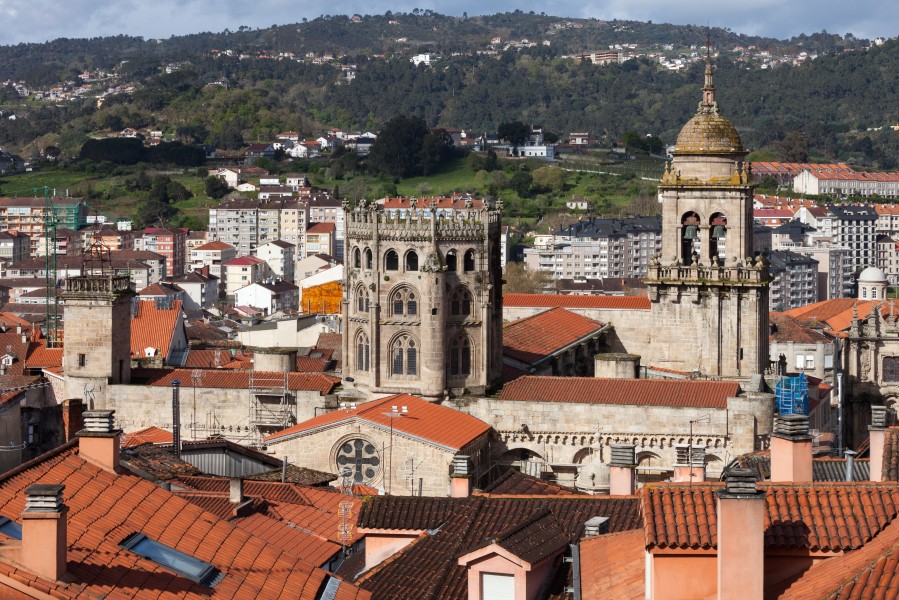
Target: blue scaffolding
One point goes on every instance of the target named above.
(792, 395)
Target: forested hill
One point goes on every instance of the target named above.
(45, 64)
(828, 107)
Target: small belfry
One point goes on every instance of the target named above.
(422, 306)
(708, 288)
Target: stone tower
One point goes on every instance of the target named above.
(422, 305)
(709, 293)
(97, 345)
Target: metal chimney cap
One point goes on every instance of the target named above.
(99, 423)
(879, 416)
(623, 455)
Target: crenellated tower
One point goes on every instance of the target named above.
(709, 293)
(422, 305)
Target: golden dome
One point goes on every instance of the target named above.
(708, 133)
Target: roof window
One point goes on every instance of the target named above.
(10, 528)
(183, 564)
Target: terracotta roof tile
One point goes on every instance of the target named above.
(152, 327)
(217, 245)
(105, 507)
(869, 572)
(147, 435)
(651, 392)
(322, 228)
(428, 569)
(425, 420)
(40, 356)
(240, 379)
(813, 516)
(790, 329)
(535, 338)
(573, 301)
(515, 482)
(614, 566)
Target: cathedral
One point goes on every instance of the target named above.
(422, 307)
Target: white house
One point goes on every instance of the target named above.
(269, 296)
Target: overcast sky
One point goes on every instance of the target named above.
(43, 20)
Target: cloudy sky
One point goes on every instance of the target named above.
(43, 20)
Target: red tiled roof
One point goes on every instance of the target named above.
(216, 245)
(431, 422)
(244, 261)
(322, 228)
(203, 358)
(650, 392)
(152, 327)
(240, 379)
(40, 356)
(791, 329)
(869, 572)
(614, 566)
(147, 435)
(537, 337)
(514, 482)
(826, 516)
(575, 301)
(104, 508)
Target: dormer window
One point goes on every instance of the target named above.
(7, 360)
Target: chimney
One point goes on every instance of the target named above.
(877, 432)
(850, 465)
(44, 541)
(98, 442)
(687, 470)
(176, 417)
(72, 420)
(596, 526)
(460, 481)
(621, 471)
(236, 489)
(741, 537)
(791, 449)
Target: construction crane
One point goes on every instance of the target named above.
(50, 223)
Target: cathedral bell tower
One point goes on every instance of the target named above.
(709, 293)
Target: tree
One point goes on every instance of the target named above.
(521, 183)
(515, 132)
(793, 148)
(549, 179)
(216, 187)
(519, 279)
(397, 149)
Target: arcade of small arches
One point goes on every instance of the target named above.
(694, 233)
(411, 260)
(403, 350)
(574, 447)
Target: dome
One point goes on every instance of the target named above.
(872, 275)
(708, 133)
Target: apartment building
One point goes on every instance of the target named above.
(167, 241)
(27, 215)
(598, 248)
(212, 255)
(855, 230)
(14, 246)
(280, 257)
(795, 280)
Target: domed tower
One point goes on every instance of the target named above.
(709, 292)
(422, 307)
(872, 284)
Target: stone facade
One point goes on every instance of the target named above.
(422, 307)
(573, 440)
(97, 349)
(399, 464)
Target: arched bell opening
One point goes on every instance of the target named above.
(718, 237)
(690, 243)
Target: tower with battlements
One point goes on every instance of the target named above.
(709, 293)
(422, 305)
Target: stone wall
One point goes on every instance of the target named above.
(405, 459)
(571, 435)
(204, 411)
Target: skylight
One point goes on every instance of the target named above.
(184, 564)
(10, 528)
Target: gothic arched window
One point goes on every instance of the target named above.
(468, 262)
(362, 300)
(404, 356)
(357, 258)
(460, 356)
(404, 302)
(451, 260)
(460, 303)
(412, 260)
(392, 261)
(363, 352)
(368, 260)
